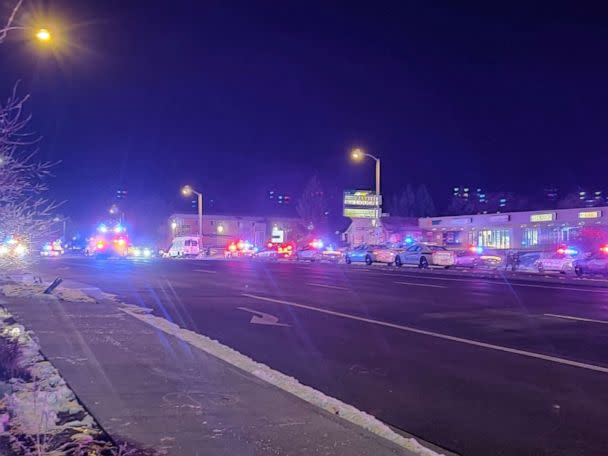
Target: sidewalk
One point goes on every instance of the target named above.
(156, 391)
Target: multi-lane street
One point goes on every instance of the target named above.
(476, 365)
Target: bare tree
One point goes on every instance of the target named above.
(9, 23)
(312, 205)
(25, 214)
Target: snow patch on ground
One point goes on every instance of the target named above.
(280, 380)
(35, 289)
(39, 406)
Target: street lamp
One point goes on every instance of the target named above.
(43, 35)
(358, 155)
(187, 190)
(64, 220)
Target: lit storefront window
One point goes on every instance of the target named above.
(497, 239)
(529, 237)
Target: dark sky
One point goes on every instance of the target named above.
(239, 97)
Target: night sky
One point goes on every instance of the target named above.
(241, 97)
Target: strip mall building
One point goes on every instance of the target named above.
(534, 230)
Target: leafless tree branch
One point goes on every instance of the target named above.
(7, 27)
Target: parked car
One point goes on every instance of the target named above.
(239, 249)
(386, 253)
(359, 254)
(275, 251)
(331, 254)
(561, 261)
(595, 263)
(313, 251)
(423, 255)
(478, 257)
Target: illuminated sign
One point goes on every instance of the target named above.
(277, 235)
(362, 198)
(589, 214)
(356, 212)
(546, 217)
(500, 218)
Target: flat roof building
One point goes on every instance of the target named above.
(520, 230)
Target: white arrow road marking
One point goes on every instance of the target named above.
(569, 317)
(261, 318)
(476, 343)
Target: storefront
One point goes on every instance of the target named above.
(534, 230)
(219, 230)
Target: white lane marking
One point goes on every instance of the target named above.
(554, 359)
(570, 317)
(208, 271)
(421, 284)
(590, 290)
(472, 279)
(335, 287)
(497, 281)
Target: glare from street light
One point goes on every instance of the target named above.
(186, 190)
(43, 35)
(356, 154)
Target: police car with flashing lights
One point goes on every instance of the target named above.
(236, 249)
(561, 261)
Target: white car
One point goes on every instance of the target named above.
(561, 261)
(423, 255)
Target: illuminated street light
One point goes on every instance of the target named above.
(220, 229)
(358, 155)
(187, 190)
(43, 35)
(173, 225)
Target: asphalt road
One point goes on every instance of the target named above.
(479, 366)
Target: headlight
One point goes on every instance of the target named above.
(20, 250)
(136, 252)
(3, 250)
(147, 253)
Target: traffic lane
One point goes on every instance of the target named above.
(574, 304)
(423, 385)
(474, 314)
(479, 313)
(474, 310)
(172, 266)
(590, 302)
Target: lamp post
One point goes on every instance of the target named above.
(358, 155)
(187, 190)
(64, 221)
